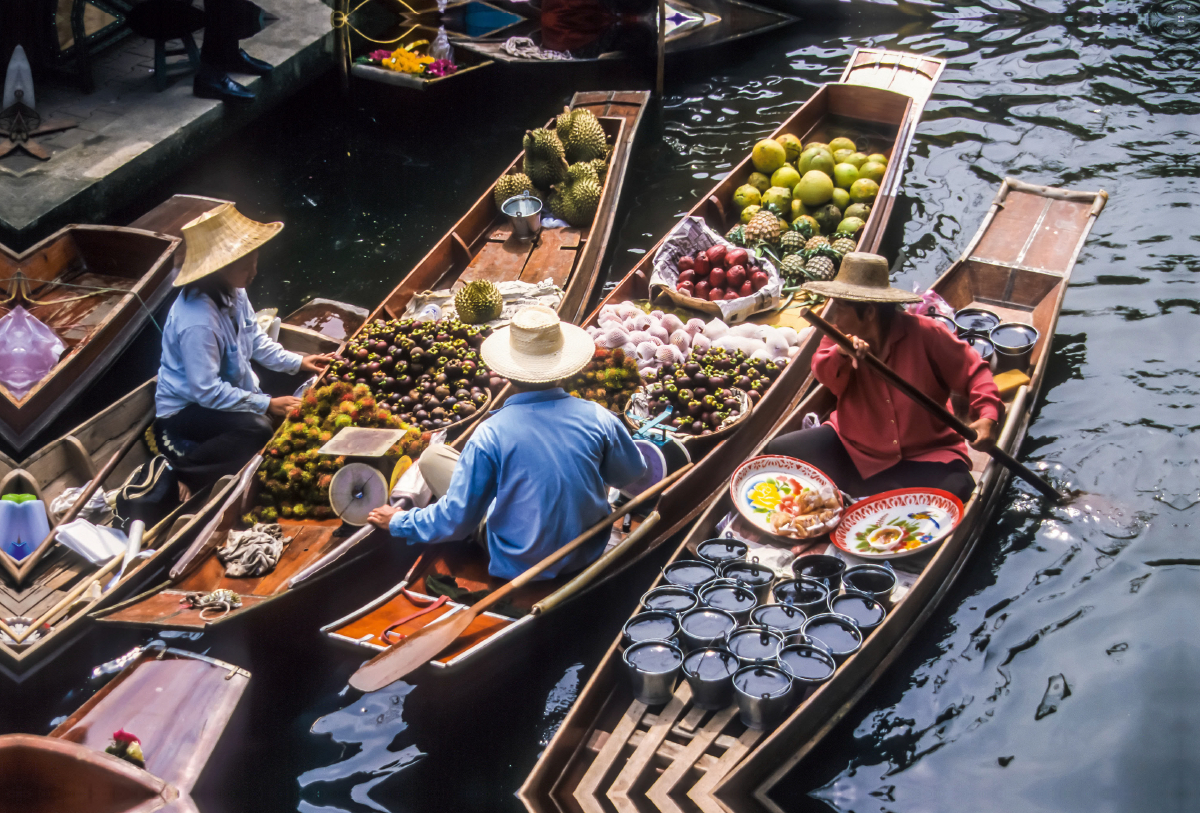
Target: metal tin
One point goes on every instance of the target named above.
(524, 212)
(709, 671)
(827, 569)
(983, 347)
(809, 595)
(877, 581)
(944, 321)
(752, 574)
(719, 551)
(864, 610)
(733, 597)
(652, 625)
(763, 695)
(1013, 343)
(705, 627)
(837, 632)
(975, 321)
(809, 667)
(786, 618)
(755, 644)
(653, 667)
(689, 573)
(670, 598)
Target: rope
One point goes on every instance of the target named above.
(433, 605)
(21, 293)
(222, 600)
(254, 552)
(525, 48)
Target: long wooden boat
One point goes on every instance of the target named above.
(891, 117)
(95, 287)
(477, 247)
(45, 599)
(176, 703)
(468, 63)
(612, 750)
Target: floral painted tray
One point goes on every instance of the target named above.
(773, 487)
(898, 523)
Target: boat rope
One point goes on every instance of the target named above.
(21, 293)
(254, 552)
(223, 600)
(525, 48)
(415, 599)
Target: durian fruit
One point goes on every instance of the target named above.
(478, 301)
(545, 163)
(510, 185)
(577, 199)
(601, 167)
(582, 135)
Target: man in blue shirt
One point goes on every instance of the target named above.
(538, 467)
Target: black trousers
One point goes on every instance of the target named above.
(224, 25)
(823, 448)
(204, 444)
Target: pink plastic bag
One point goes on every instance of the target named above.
(28, 351)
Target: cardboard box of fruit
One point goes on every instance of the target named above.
(697, 268)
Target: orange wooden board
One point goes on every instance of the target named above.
(498, 261)
(165, 608)
(1055, 243)
(310, 541)
(554, 258)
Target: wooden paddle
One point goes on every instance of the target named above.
(423, 645)
(999, 455)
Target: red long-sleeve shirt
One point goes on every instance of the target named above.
(878, 424)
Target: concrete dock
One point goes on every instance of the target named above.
(131, 135)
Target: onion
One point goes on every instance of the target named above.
(776, 345)
(762, 353)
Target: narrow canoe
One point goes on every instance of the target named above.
(612, 749)
(176, 703)
(95, 287)
(468, 63)
(477, 247)
(891, 117)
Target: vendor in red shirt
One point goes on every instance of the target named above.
(878, 439)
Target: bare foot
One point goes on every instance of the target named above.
(185, 493)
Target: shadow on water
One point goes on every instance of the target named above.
(1056, 675)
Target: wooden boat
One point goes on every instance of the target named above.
(44, 599)
(614, 751)
(176, 703)
(888, 114)
(479, 246)
(95, 287)
(468, 63)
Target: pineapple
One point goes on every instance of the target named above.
(763, 228)
(737, 236)
(821, 263)
(844, 244)
(803, 227)
(792, 269)
(816, 242)
(792, 242)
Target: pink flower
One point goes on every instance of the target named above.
(440, 67)
(380, 55)
(122, 735)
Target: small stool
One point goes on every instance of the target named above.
(164, 21)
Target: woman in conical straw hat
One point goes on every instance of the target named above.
(878, 439)
(538, 469)
(211, 414)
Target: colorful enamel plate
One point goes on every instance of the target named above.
(766, 486)
(898, 523)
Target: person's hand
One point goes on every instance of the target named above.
(315, 363)
(861, 348)
(381, 517)
(985, 434)
(281, 406)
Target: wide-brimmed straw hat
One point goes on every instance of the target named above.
(217, 238)
(536, 348)
(862, 277)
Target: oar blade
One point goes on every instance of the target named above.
(411, 653)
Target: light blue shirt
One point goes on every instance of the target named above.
(206, 362)
(537, 470)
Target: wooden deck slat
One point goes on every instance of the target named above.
(660, 792)
(585, 791)
(632, 774)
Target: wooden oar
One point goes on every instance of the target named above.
(32, 559)
(999, 455)
(423, 645)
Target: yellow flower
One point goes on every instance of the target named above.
(765, 496)
(404, 61)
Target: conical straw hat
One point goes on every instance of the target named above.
(217, 238)
(537, 348)
(862, 277)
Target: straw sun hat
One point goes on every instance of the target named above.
(862, 277)
(537, 348)
(217, 238)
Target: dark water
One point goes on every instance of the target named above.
(1099, 95)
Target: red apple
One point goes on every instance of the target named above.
(702, 289)
(731, 295)
(716, 294)
(759, 280)
(735, 276)
(715, 255)
(746, 289)
(716, 277)
(701, 266)
(736, 256)
(685, 288)
(687, 275)
(685, 263)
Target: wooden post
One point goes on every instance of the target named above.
(662, 47)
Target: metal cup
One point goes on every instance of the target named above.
(705, 627)
(719, 551)
(750, 573)
(690, 573)
(877, 581)
(652, 625)
(525, 214)
(1013, 343)
(809, 595)
(755, 644)
(786, 618)
(827, 569)
(809, 667)
(975, 321)
(763, 695)
(671, 599)
(709, 672)
(839, 633)
(866, 612)
(653, 667)
(735, 598)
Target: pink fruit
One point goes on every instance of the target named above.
(685, 263)
(715, 255)
(685, 288)
(687, 275)
(759, 280)
(716, 277)
(735, 276)
(702, 289)
(716, 294)
(731, 295)
(701, 267)
(736, 256)
(746, 289)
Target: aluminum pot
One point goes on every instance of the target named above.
(1013, 343)
(763, 695)
(733, 597)
(809, 666)
(808, 595)
(786, 618)
(837, 632)
(975, 321)
(705, 627)
(757, 577)
(709, 671)
(690, 573)
(827, 569)
(671, 599)
(652, 625)
(877, 581)
(719, 551)
(525, 214)
(864, 610)
(653, 667)
(755, 644)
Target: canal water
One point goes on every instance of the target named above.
(1057, 673)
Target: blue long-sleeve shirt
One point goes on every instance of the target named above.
(537, 470)
(206, 361)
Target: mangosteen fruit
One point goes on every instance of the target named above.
(440, 378)
(425, 424)
(407, 401)
(754, 396)
(415, 369)
(462, 394)
(691, 369)
(742, 383)
(362, 353)
(700, 392)
(496, 382)
(479, 399)
(441, 391)
(730, 403)
(421, 415)
(449, 401)
(697, 427)
(380, 347)
(404, 382)
(437, 413)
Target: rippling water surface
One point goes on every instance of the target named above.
(1058, 674)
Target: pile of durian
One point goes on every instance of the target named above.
(564, 167)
